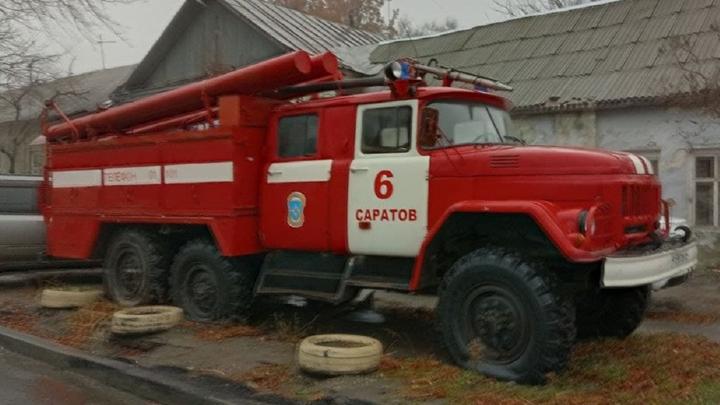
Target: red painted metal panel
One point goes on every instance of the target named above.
(72, 236)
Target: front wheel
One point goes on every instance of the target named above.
(503, 318)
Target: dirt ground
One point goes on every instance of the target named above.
(674, 355)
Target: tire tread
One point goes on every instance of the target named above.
(158, 255)
(555, 353)
(239, 274)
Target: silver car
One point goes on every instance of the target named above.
(22, 230)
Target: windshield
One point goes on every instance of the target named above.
(465, 123)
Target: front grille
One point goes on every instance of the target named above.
(640, 200)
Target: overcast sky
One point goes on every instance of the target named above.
(142, 23)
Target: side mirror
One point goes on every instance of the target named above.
(429, 131)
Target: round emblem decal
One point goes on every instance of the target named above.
(296, 210)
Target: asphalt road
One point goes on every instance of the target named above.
(27, 381)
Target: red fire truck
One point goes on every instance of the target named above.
(258, 182)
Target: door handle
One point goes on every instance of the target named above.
(274, 172)
(359, 169)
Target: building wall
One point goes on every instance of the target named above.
(217, 40)
(29, 159)
(578, 129)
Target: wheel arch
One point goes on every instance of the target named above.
(179, 232)
(476, 224)
(233, 236)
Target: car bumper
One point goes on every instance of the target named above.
(671, 264)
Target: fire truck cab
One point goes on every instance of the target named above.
(410, 188)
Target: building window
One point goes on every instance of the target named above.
(387, 130)
(655, 162)
(706, 190)
(297, 136)
(37, 160)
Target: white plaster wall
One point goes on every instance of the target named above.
(535, 129)
(676, 134)
(575, 129)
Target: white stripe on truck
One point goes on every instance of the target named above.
(76, 178)
(220, 172)
(317, 171)
(189, 173)
(132, 176)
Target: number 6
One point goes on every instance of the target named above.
(383, 186)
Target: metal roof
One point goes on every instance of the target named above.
(288, 29)
(604, 54)
(297, 30)
(82, 93)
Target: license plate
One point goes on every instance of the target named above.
(680, 258)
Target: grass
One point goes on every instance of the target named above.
(642, 369)
(288, 327)
(218, 333)
(79, 326)
(266, 377)
(18, 318)
(83, 324)
(681, 316)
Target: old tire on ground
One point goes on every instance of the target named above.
(339, 354)
(210, 287)
(140, 320)
(69, 296)
(504, 318)
(614, 313)
(136, 268)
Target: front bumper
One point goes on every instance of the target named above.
(658, 267)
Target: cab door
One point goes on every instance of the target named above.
(294, 198)
(388, 186)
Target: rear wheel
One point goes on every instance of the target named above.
(614, 313)
(210, 287)
(136, 266)
(502, 317)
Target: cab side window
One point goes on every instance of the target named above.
(297, 136)
(387, 130)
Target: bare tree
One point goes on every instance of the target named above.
(20, 105)
(19, 132)
(361, 14)
(26, 62)
(407, 29)
(367, 15)
(698, 85)
(691, 83)
(518, 8)
(24, 22)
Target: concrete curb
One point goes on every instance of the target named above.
(160, 385)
